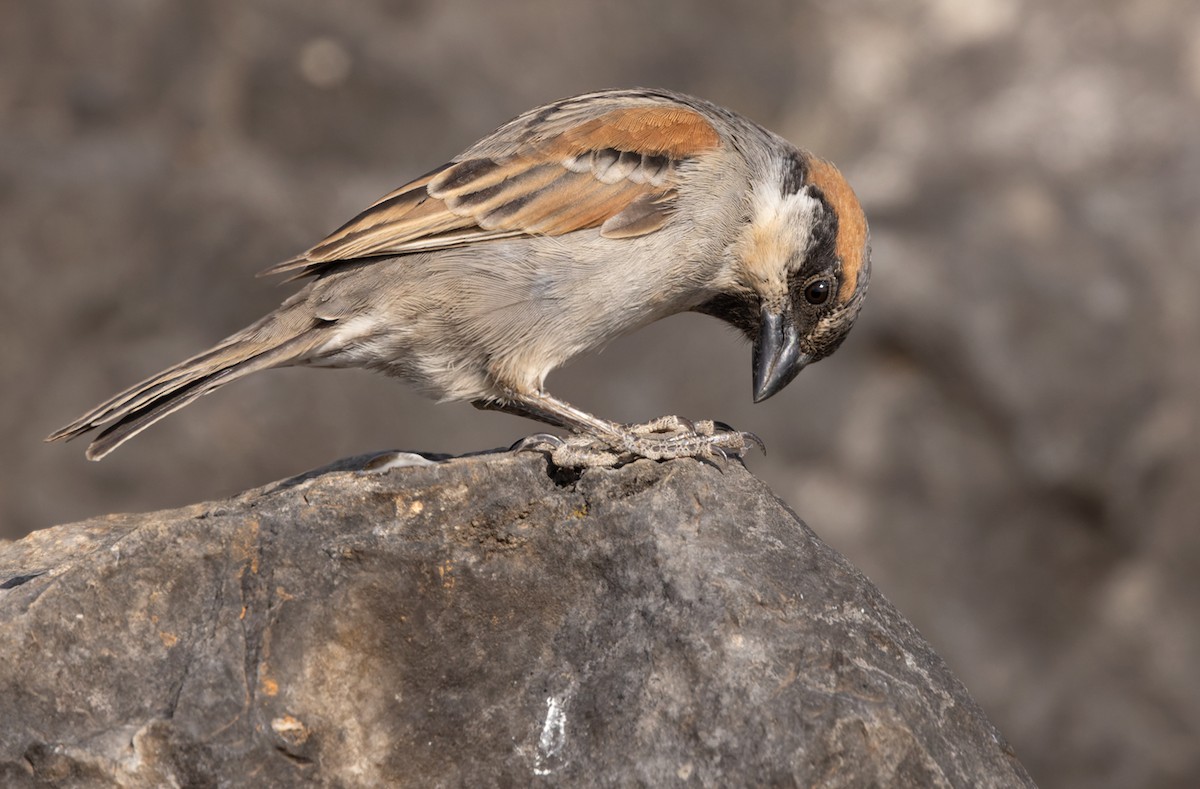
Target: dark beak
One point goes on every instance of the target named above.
(777, 356)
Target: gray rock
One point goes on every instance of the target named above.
(479, 622)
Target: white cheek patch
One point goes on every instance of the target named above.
(778, 235)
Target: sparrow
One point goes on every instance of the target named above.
(570, 225)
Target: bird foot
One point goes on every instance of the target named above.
(665, 438)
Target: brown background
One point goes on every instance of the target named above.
(1007, 443)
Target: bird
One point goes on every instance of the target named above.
(572, 224)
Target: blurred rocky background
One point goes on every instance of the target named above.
(1007, 444)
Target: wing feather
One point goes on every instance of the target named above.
(610, 164)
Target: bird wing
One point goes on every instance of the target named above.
(609, 162)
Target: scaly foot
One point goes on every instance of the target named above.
(666, 438)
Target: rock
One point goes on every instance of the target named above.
(483, 621)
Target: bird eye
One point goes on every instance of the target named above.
(817, 292)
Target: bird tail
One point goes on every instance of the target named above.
(268, 343)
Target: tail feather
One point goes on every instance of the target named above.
(157, 385)
(133, 410)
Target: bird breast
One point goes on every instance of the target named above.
(514, 308)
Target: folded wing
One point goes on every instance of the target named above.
(611, 164)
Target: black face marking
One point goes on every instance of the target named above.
(821, 254)
(795, 172)
(812, 286)
(741, 311)
(823, 344)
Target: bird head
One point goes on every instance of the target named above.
(799, 268)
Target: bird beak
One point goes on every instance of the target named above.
(777, 356)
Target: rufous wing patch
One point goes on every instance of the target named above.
(852, 222)
(672, 131)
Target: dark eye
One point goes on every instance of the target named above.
(816, 293)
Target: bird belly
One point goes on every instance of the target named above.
(470, 324)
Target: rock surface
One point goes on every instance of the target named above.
(477, 622)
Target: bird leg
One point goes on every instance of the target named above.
(600, 442)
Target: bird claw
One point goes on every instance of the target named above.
(747, 436)
(576, 451)
(666, 438)
(753, 439)
(537, 441)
